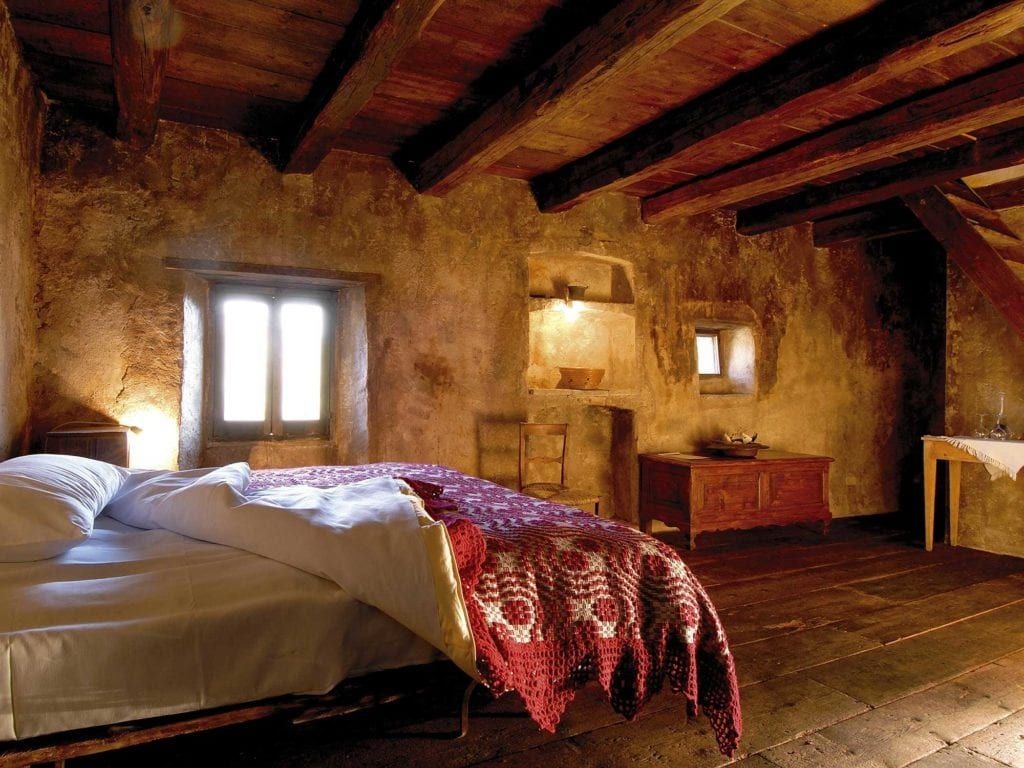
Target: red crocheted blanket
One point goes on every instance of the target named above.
(558, 597)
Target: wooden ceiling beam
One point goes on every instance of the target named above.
(891, 40)
(886, 220)
(380, 33)
(971, 252)
(630, 34)
(1004, 194)
(140, 38)
(986, 154)
(991, 97)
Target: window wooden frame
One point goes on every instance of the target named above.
(273, 426)
(712, 334)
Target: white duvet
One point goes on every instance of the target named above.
(374, 539)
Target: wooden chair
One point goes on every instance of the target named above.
(558, 493)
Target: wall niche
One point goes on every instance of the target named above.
(598, 331)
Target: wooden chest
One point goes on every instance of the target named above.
(700, 493)
(93, 441)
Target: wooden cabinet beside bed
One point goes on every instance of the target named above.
(701, 493)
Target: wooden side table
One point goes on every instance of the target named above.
(935, 449)
(698, 493)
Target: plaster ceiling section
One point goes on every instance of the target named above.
(465, 41)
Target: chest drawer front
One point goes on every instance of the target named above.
(727, 493)
(795, 487)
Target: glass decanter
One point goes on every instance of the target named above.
(1001, 431)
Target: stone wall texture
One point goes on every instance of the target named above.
(21, 110)
(985, 357)
(847, 350)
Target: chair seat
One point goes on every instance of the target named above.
(560, 494)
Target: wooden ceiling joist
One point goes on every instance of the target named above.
(986, 154)
(991, 97)
(891, 40)
(971, 252)
(628, 35)
(886, 220)
(140, 37)
(378, 36)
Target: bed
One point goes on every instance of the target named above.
(137, 623)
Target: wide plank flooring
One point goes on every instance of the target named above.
(859, 649)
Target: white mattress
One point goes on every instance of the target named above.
(135, 624)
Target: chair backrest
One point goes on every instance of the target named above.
(526, 460)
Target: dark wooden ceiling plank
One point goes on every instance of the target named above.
(890, 41)
(988, 154)
(632, 32)
(380, 33)
(886, 220)
(333, 11)
(984, 99)
(1004, 194)
(91, 15)
(83, 45)
(249, 115)
(972, 253)
(250, 48)
(273, 22)
(140, 38)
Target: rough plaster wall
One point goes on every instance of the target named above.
(985, 357)
(21, 111)
(448, 327)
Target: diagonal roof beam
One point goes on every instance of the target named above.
(971, 252)
(895, 38)
(630, 33)
(140, 37)
(986, 154)
(991, 97)
(380, 33)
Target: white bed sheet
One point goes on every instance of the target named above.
(135, 624)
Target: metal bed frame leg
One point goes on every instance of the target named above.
(464, 726)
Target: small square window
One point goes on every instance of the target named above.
(708, 363)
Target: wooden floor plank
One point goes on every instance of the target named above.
(1002, 742)
(956, 757)
(774, 712)
(909, 729)
(727, 570)
(889, 672)
(773, 657)
(797, 613)
(918, 616)
(924, 583)
(761, 589)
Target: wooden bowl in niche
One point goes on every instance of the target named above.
(580, 378)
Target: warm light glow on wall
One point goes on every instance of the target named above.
(571, 310)
(155, 443)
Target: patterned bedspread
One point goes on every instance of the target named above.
(558, 597)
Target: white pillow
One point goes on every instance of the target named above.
(151, 493)
(48, 503)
